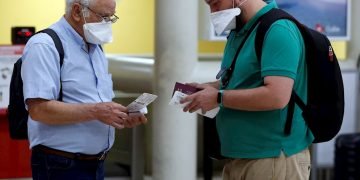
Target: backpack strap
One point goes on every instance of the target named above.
(268, 19)
(60, 50)
(232, 66)
(289, 116)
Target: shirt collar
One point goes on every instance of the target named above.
(71, 32)
(262, 11)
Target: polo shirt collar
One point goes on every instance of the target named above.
(262, 11)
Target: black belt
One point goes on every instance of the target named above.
(77, 156)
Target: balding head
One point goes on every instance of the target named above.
(69, 4)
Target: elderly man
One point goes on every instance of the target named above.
(253, 99)
(70, 138)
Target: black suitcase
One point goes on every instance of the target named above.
(347, 157)
(211, 139)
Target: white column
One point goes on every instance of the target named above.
(354, 43)
(174, 132)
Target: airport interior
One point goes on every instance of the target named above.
(157, 43)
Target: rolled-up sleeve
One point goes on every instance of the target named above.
(40, 71)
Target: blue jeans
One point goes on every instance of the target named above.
(54, 167)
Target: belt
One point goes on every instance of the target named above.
(76, 156)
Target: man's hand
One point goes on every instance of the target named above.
(193, 84)
(111, 113)
(135, 119)
(204, 99)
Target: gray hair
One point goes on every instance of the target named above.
(69, 4)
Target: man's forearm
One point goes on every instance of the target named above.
(215, 84)
(249, 100)
(59, 113)
(274, 94)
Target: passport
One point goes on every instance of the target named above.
(186, 89)
(178, 96)
(140, 103)
(181, 91)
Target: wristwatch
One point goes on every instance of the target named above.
(220, 98)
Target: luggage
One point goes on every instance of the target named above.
(212, 146)
(347, 157)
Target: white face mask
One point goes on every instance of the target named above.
(98, 33)
(224, 20)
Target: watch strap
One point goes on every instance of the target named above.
(220, 97)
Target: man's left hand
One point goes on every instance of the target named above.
(204, 100)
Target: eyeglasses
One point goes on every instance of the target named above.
(113, 18)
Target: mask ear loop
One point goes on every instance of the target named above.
(242, 3)
(83, 10)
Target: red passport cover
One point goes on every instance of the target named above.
(186, 89)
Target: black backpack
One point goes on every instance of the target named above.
(324, 110)
(17, 114)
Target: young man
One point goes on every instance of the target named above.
(253, 104)
(70, 138)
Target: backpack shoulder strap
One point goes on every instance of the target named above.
(232, 66)
(60, 50)
(57, 42)
(268, 19)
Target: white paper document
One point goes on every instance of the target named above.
(175, 100)
(139, 105)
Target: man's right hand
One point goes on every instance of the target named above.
(111, 113)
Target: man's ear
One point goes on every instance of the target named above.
(76, 12)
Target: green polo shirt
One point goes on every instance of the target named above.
(260, 134)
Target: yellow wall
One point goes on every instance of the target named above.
(133, 33)
(340, 49)
(40, 13)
